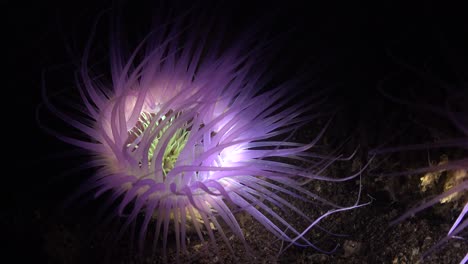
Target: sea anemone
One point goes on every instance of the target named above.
(189, 131)
(455, 185)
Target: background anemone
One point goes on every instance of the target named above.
(190, 130)
(446, 177)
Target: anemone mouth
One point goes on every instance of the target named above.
(154, 127)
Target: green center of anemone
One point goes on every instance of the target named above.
(176, 143)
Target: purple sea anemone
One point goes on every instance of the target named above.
(190, 130)
(455, 185)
